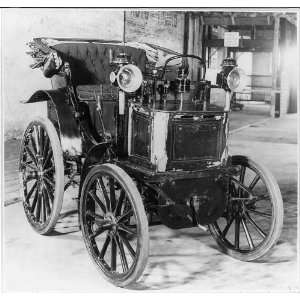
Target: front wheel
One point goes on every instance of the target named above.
(114, 224)
(253, 219)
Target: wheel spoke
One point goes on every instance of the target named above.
(28, 164)
(31, 154)
(49, 169)
(241, 198)
(259, 230)
(104, 192)
(112, 193)
(99, 220)
(248, 236)
(41, 139)
(43, 209)
(36, 139)
(119, 203)
(33, 143)
(237, 233)
(242, 179)
(30, 192)
(125, 215)
(50, 193)
(31, 177)
(127, 244)
(47, 159)
(38, 207)
(46, 199)
(225, 231)
(93, 195)
(254, 182)
(113, 255)
(124, 228)
(34, 201)
(263, 197)
(98, 232)
(242, 174)
(233, 189)
(46, 146)
(105, 246)
(260, 213)
(241, 186)
(49, 181)
(122, 254)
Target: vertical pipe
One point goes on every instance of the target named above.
(227, 101)
(275, 104)
(124, 27)
(121, 102)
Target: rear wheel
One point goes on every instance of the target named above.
(41, 172)
(114, 224)
(253, 219)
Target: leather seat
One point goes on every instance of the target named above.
(90, 68)
(89, 62)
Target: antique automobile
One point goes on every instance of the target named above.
(145, 144)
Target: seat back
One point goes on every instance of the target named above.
(89, 62)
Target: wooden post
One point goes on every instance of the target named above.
(186, 33)
(200, 44)
(191, 40)
(275, 102)
(204, 37)
(197, 49)
(209, 33)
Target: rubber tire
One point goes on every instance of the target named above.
(138, 207)
(277, 222)
(59, 173)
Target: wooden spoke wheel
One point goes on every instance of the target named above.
(114, 224)
(41, 172)
(253, 219)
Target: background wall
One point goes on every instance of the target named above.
(19, 26)
(163, 28)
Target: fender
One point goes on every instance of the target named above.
(95, 156)
(70, 137)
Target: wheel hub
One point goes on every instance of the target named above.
(110, 217)
(40, 170)
(112, 221)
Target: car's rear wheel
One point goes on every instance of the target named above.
(41, 171)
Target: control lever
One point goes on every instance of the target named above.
(98, 98)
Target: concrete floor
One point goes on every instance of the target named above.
(60, 262)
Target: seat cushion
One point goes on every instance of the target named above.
(107, 92)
